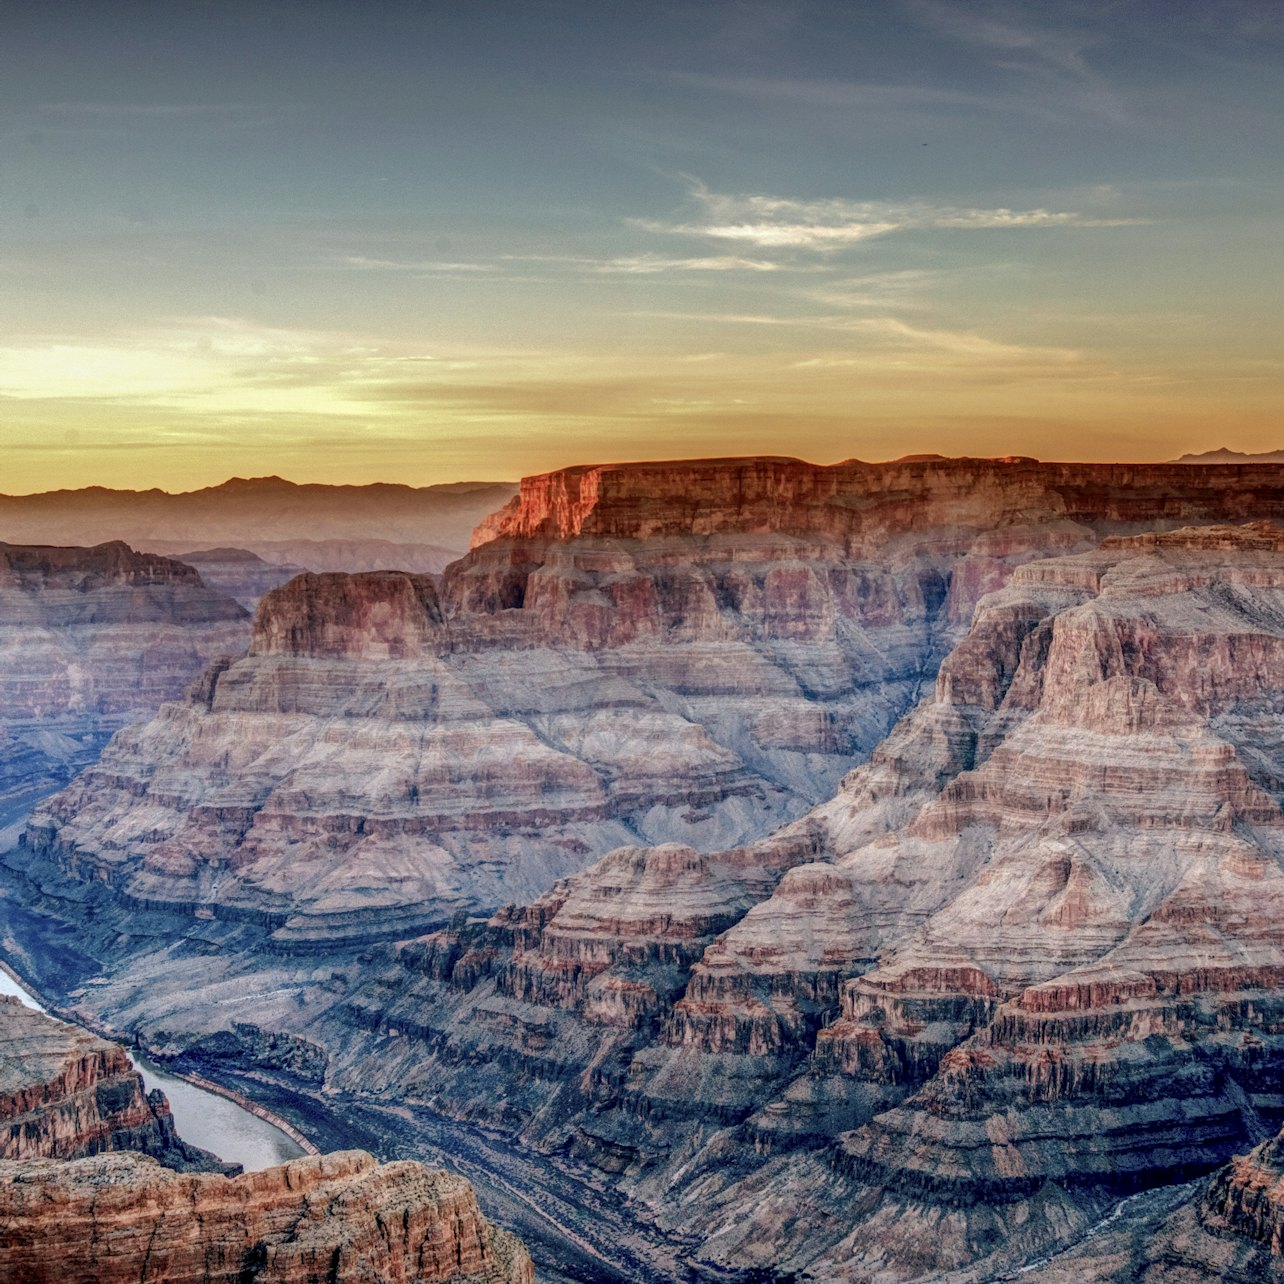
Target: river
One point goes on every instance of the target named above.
(576, 1231)
(202, 1118)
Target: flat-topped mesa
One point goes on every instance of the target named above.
(678, 652)
(370, 615)
(344, 1218)
(702, 497)
(110, 584)
(65, 1093)
(603, 556)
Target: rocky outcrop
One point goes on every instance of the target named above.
(82, 1196)
(65, 1094)
(1224, 1228)
(341, 1217)
(688, 653)
(1025, 963)
(92, 639)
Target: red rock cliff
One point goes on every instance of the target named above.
(343, 1218)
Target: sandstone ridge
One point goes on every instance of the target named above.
(83, 1198)
(340, 1217)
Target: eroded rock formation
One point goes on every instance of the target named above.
(686, 653)
(83, 1198)
(1225, 1228)
(91, 639)
(1026, 962)
(65, 1094)
(341, 1218)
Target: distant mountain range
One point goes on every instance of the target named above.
(277, 519)
(1227, 456)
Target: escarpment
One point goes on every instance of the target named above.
(340, 1217)
(1024, 964)
(635, 654)
(91, 639)
(65, 1094)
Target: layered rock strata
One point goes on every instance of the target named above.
(65, 1094)
(1023, 963)
(92, 639)
(686, 653)
(83, 1198)
(341, 1218)
(1026, 962)
(1225, 1228)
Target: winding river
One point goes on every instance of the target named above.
(202, 1118)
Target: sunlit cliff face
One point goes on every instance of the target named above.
(425, 245)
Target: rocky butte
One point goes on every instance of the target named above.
(92, 639)
(1019, 963)
(84, 1200)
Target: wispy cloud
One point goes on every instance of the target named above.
(170, 110)
(513, 266)
(906, 289)
(650, 264)
(1010, 34)
(776, 222)
(1055, 56)
(363, 263)
(876, 338)
(844, 95)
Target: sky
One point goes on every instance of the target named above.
(428, 242)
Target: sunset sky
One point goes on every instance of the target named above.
(431, 241)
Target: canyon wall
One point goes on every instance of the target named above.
(1019, 963)
(1026, 962)
(90, 640)
(1227, 1227)
(688, 653)
(65, 1094)
(84, 1198)
(120, 1218)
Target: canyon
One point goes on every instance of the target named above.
(92, 639)
(632, 655)
(96, 1186)
(866, 873)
